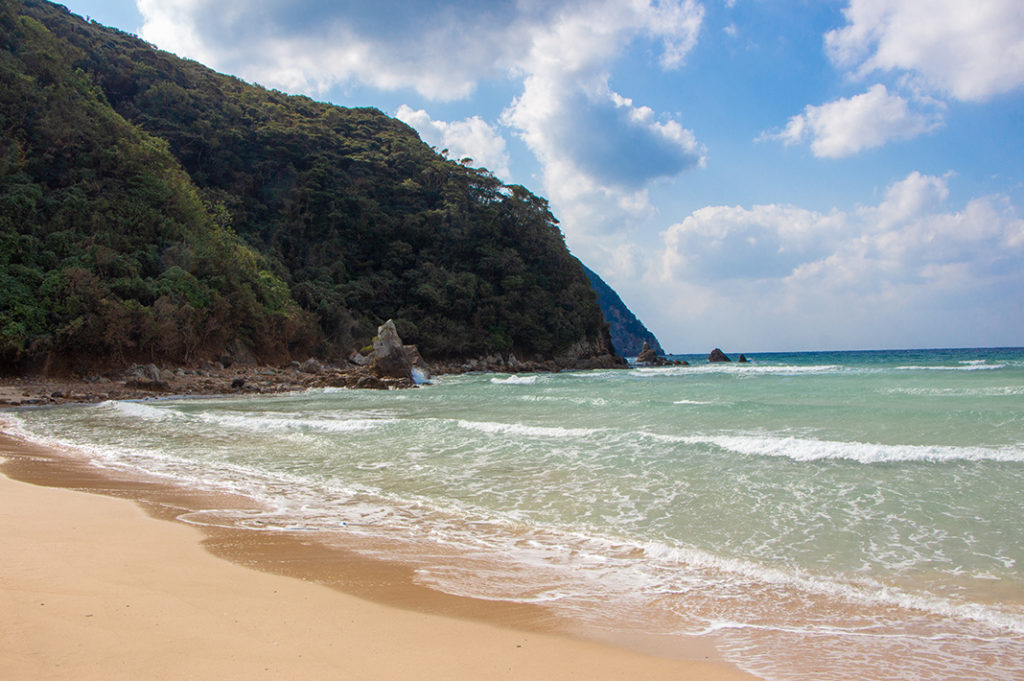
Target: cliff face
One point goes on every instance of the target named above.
(628, 334)
(209, 215)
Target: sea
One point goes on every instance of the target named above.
(814, 516)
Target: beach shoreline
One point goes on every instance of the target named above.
(100, 587)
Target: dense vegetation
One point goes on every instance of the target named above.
(628, 333)
(127, 173)
(106, 248)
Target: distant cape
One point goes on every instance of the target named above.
(628, 333)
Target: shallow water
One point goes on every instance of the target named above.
(817, 515)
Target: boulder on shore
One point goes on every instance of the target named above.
(718, 356)
(390, 359)
(311, 366)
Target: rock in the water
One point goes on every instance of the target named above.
(718, 356)
(390, 359)
(647, 355)
(743, 359)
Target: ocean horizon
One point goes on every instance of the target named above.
(837, 515)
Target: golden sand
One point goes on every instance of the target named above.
(93, 587)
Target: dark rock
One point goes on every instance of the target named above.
(145, 384)
(718, 356)
(648, 356)
(226, 361)
(743, 359)
(237, 383)
(368, 382)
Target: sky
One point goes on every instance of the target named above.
(755, 175)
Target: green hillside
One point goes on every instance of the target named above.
(107, 249)
(128, 172)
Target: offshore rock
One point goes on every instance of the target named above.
(647, 356)
(743, 359)
(718, 356)
(390, 359)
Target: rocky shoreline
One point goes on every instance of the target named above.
(137, 383)
(390, 366)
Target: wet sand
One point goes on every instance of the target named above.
(95, 583)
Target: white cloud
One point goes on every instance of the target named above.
(598, 149)
(933, 50)
(873, 276)
(439, 50)
(847, 126)
(970, 50)
(472, 137)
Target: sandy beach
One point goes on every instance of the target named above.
(94, 587)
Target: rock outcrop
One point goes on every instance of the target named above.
(649, 357)
(390, 359)
(718, 356)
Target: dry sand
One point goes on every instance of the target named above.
(91, 587)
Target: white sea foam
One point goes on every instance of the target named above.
(989, 391)
(275, 423)
(961, 367)
(741, 369)
(521, 429)
(515, 380)
(248, 421)
(810, 449)
(141, 410)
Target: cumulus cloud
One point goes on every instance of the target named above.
(847, 126)
(969, 50)
(598, 149)
(848, 278)
(472, 137)
(440, 50)
(933, 50)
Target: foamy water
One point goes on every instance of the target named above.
(822, 516)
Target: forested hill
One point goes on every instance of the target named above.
(628, 333)
(151, 208)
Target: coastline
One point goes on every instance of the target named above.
(85, 573)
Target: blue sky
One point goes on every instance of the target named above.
(751, 174)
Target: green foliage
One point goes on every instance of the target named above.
(150, 174)
(106, 250)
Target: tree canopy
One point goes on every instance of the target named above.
(152, 207)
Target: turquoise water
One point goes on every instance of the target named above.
(851, 516)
